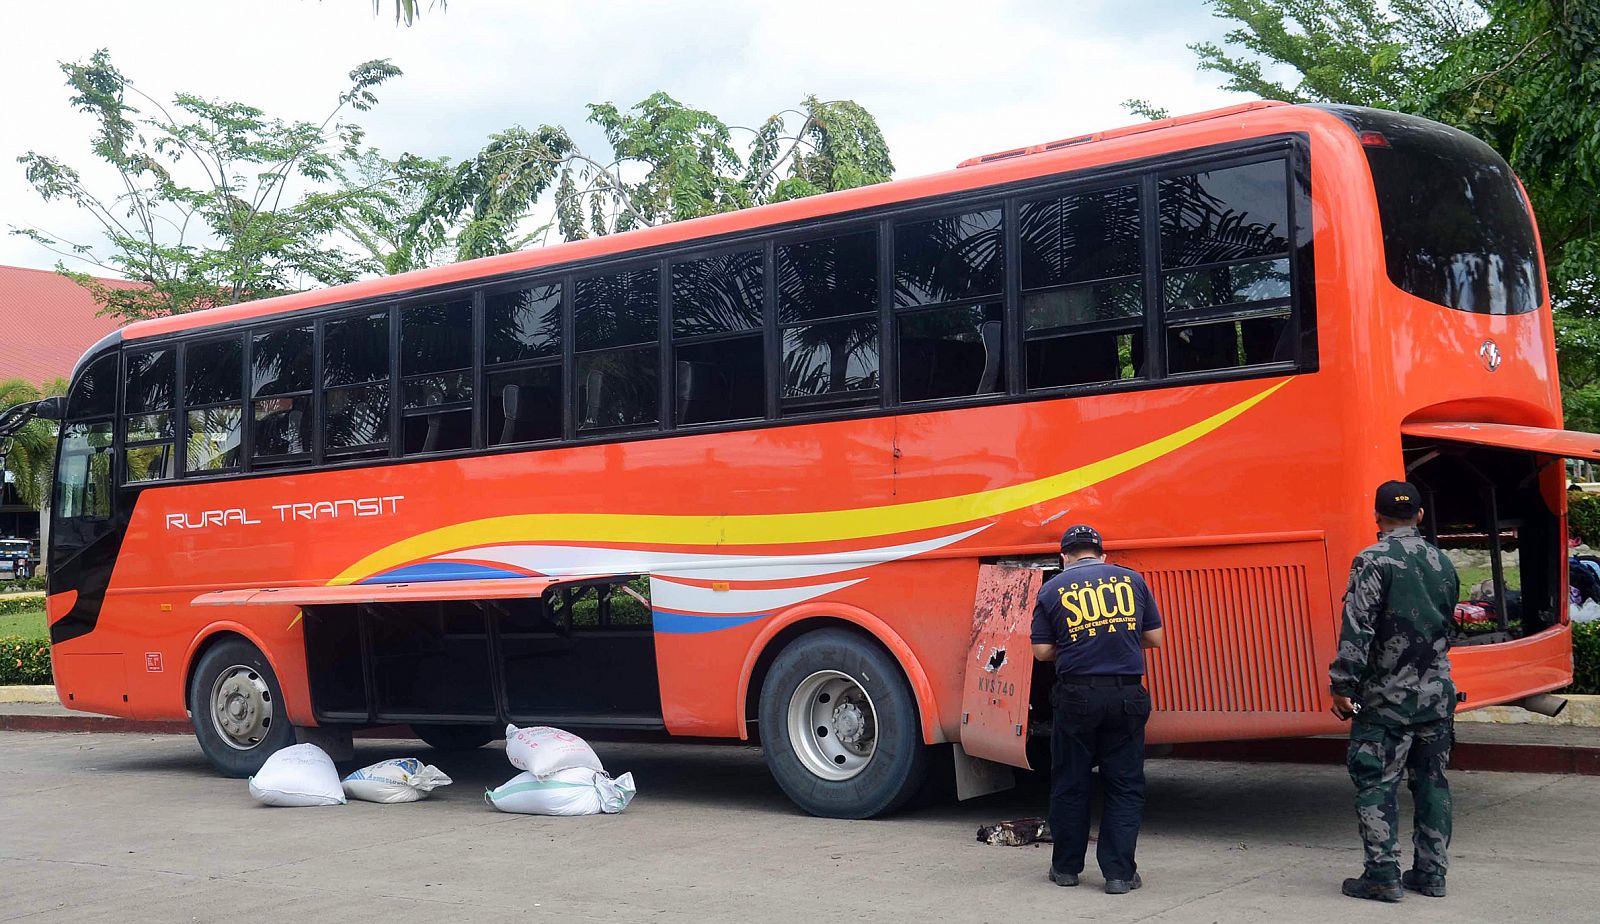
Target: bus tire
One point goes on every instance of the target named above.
(237, 708)
(456, 737)
(840, 728)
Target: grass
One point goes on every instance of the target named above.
(1471, 577)
(28, 624)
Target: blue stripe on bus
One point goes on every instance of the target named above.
(442, 571)
(680, 624)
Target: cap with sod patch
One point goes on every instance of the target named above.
(1081, 535)
(1398, 500)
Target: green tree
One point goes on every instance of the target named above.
(29, 455)
(667, 162)
(218, 202)
(408, 11)
(1523, 75)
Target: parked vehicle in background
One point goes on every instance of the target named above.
(749, 471)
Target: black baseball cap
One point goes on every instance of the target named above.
(1080, 535)
(1399, 500)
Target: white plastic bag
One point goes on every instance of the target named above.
(301, 774)
(1588, 612)
(404, 779)
(542, 750)
(576, 791)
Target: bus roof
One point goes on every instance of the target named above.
(1078, 152)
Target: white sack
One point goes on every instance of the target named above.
(578, 791)
(301, 774)
(404, 779)
(1588, 612)
(542, 750)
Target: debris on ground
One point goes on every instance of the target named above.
(1019, 832)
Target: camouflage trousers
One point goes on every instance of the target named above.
(1378, 755)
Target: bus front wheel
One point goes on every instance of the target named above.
(839, 726)
(237, 708)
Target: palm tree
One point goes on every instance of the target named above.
(30, 454)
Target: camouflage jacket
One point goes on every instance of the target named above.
(1393, 648)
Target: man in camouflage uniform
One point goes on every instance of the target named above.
(1392, 676)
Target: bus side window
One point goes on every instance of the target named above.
(281, 413)
(1083, 297)
(828, 320)
(522, 355)
(436, 371)
(616, 330)
(213, 404)
(148, 425)
(1225, 270)
(949, 316)
(355, 385)
(718, 368)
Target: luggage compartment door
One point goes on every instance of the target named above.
(999, 670)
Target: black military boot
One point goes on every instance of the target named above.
(1423, 884)
(1123, 886)
(1063, 879)
(1373, 889)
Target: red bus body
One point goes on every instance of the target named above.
(1243, 501)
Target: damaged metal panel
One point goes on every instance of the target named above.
(999, 670)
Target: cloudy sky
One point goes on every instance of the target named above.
(946, 80)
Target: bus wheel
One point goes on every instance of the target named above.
(237, 708)
(839, 726)
(456, 737)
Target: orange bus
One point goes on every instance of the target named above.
(794, 470)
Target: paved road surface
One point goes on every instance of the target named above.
(109, 827)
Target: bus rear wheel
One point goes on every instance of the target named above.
(839, 726)
(237, 708)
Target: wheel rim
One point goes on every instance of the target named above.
(241, 707)
(833, 725)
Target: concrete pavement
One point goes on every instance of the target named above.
(136, 828)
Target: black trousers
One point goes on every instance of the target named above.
(1104, 726)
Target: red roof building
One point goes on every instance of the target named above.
(47, 321)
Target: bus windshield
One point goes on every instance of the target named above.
(1456, 229)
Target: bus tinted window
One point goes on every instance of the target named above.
(83, 482)
(355, 352)
(280, 362)
(1220, 216)
(213, 372)
(718, 367)
(948, 259)
(829, 277)
(435, 338)
(617, 309)
(1456, 230)
(523, 324)
(717, 295)
(1083, 288)
(435, 362)
(820, 360)
(95, 391)
(152, 379)
(525, 405)
(1225, 267)
(618, 388)
(281, 413)
(949, 352)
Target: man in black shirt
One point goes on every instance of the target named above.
(1094, 620)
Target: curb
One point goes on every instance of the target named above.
(1583, 711)
(24, 693)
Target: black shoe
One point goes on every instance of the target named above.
(1373, 889)
(1123, 886)
(1423, 884)
(1063, 879)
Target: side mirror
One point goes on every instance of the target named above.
(51, 408)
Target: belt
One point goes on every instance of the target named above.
(1101, 680)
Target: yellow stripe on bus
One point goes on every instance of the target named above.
(785, 528)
